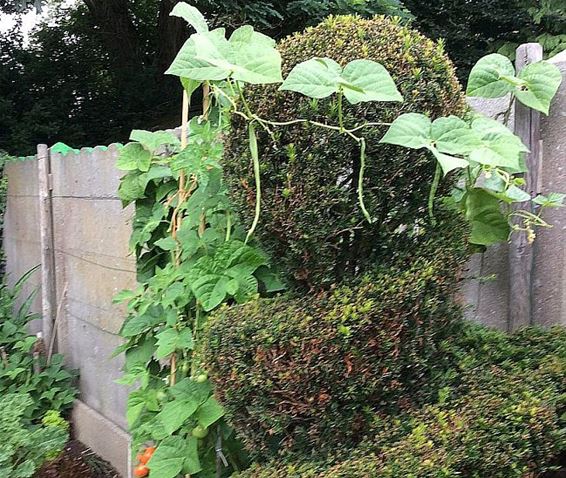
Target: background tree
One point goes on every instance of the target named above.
(94, 70)
(472, 28)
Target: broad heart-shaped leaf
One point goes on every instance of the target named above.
(483, 211)
(255, 58)
(487, 77)
(411, 130)
(153, 140)
(542, 82)
(249, 56)
(448, 163)
(192, 15)
(187, 65)
(499, 146)
(168, 459)
(452, 135)
(176, 413)
(191, 466)
(134, 156)
(209, 412)
(445, 135)
(132, 187)
(371, 80)
(315, 78)
(550, 200)
(171, 340)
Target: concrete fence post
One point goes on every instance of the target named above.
(48, 286)
(521, 253)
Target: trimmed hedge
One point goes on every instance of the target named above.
(311, 221)
(503, 420)
(301, 373)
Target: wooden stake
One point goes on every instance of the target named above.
(48, 285)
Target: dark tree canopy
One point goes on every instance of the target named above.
(95, 70)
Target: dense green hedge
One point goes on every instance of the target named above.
(302, 372)
(500, 415)
(311, 221)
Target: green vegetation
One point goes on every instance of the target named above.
(498, 413)
(26, 446)
(308, 372)
(24, 368)
(311, 219)
(35, 391)
(355, 341)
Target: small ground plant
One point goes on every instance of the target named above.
(25, 367)
(25, 445)
(195, 255)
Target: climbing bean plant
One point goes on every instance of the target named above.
(193, 256)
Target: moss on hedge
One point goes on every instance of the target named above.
(499, 418)
(311, 220)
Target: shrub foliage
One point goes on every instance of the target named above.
(499, 415)
(300, 372)
(311, 220)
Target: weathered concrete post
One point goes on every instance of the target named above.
(521, 253)
(549, 282)
(48, 286)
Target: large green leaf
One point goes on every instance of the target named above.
(176, 413)
(168, 459)
(448, 163)
(483, 211)
(542, 80)
(171, 340)
(248, 56)
(139, 323)
(192, 465)
(416, 131)
(153, 140)
(256, 60)
(498, 146)
(550, 200)
(411, 130)
(192, 15)
(209, 412)
(371, 80)
(189, 64)
(452, 135)
(316, 78)
(134, 156)
(489, 77)
(361, 80)
(132, 187)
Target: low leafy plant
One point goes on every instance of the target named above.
(23, 363)
(25, 446)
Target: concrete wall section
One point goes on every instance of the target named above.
(485, 286)
(93, 263)
(21, 244)
(487, 279)
(91, 233)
